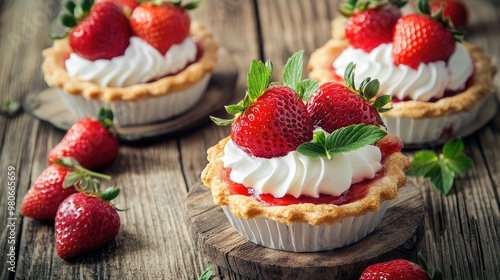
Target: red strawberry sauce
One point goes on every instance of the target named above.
(355, 192)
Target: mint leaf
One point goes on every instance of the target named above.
(459, 164)
(442, 169)
(207, 274)
(353, 137)
(292, 71)
(257, 79)
(453, 148)
(342, 140)
(313, 150)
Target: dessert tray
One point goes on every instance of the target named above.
(46, 105)
(397, 236)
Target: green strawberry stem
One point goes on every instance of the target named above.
(189, 6)
(258, 80)
(106, 118)
(350, 6)
(433, 274)
(424, 7)
(10, 108)
(368, 90)
(73, 15)
(81, 178)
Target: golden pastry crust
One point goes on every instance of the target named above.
(56, 75)
(320, 68)
(384, 188)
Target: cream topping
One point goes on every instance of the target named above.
(428, 81)
(297, 174)
(139, 64)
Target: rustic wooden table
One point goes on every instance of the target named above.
(462, 230)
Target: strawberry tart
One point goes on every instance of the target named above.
(291, 179)
(437, 83)
(146, 62)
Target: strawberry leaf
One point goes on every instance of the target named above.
(221, 122)
(70, 6)
(207, 274)
(68, 20)
(442, 169)
(292, 71)
(370, 89)
(342, 140)
(380, 102)
(110, 193)
(349, 75)
(192, 5)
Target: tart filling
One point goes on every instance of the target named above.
(56, 74)
(365, 196)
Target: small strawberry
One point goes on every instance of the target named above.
(86, 222)
(272, 120)
(162, 24)
(97, 31)
(454, 9)
(53, 185)
(421, 38)
(336, 105)
(89, 141)
(370, 22)
(400, 269)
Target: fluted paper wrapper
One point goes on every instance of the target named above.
(144, 111)
(304, 237)
(431, 130)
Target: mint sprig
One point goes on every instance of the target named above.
(345, 139)
(259, 79)
(207, 274)
(441, 169)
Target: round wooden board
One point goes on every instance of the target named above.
(397, 236)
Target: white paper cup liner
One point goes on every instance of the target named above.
(304, 237)
(431, 130)
(144, 111)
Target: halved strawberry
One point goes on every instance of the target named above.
(422, 38)
(272, 120)
(370, 22)
(162, 24)
(337, 105)
(97, 31)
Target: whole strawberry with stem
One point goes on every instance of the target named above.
(336, 105)
(401, 269)
(53, 185)
(422, 38)
(90, 141)
(96, 31)
(86, 222)
(456, 10)
(272, 119)
(162, 23)
(370, 23)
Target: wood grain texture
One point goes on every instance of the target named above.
(397, 236)
(461, 230)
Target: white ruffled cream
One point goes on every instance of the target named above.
(139, 64)
(428, 81)
(297, 174)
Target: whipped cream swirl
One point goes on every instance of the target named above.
(139, 64)
(429, 81)
(297, 174)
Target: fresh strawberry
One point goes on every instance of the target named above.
(454, 9)
(45, 195)
(53, 185)
(162, 24)
(127, 5)
(370, 22)
(85, 222)
(400, 269)
(422, 38)
(97, 31)
(337, 105)
(90, 142)
(272, 121)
